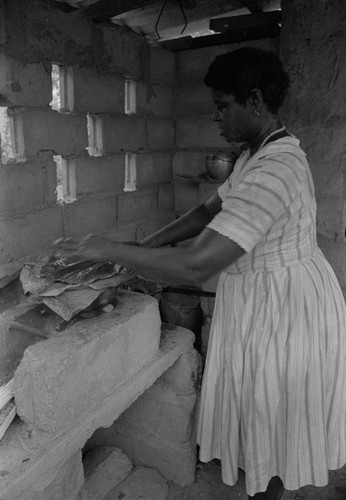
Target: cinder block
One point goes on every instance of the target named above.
(142, 484)
(69, 38)
(71, 373)
(122, 133)
(24, 84)
(63, 134)
(124, 51)
(27, 186)
(127, 231)
(136, 205)
(153, 168)
(154, 99)
(89, 216)
(104, 468)
(100, 175)
(185, 196)
(160, 133)
(30, 234)
(194, 99)
(166, 197)
(158, 219)
(189, 162)
(26, 132)
(193, 64)
(98, 93)
(198, 133)
(162, 65)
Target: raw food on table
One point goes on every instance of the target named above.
(69, 285)
(72, 271)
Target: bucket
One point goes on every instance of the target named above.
(182, 310)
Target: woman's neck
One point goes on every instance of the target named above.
(263, 134)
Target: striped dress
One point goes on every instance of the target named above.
(273, 399)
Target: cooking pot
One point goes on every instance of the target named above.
(219, 165)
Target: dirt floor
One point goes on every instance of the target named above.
(208, 486)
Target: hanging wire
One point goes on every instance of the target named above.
(180, 2)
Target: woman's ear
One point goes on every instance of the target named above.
(255, 101)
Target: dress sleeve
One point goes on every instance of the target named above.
(264, 193)
(223, 190)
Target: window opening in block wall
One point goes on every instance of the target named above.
(130, 172)
(62, 89)
(130, 96)
(95, 135)
(66, 179)
(12, 136)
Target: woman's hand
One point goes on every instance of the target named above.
(92, 247)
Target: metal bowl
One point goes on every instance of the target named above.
(219, 166)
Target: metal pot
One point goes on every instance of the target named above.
(219, 165)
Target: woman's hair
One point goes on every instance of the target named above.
(249, 68)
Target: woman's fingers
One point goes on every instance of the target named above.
(89, 247)
(67, 243)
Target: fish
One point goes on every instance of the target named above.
(71, 271)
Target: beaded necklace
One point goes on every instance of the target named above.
(267, 137)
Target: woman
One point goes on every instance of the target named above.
(272, 400)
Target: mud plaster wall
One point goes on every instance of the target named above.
(313, 49)
(33, 35)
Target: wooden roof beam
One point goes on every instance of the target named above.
(104, 10)
(246, 22)
(253, 6)
(229, 37)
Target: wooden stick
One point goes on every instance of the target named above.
(7, 414)
(6, 393)
(28, 329)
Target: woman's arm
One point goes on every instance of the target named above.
(209, 254)
(187, 226)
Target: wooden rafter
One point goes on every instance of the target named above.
(253, 6)
(254, 33)
(104, 10)
(245, 23)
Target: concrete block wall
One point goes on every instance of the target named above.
(196, 133)
(312, 46)
(87, 130)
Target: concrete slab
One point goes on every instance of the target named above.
(61, 379)
(29, 457)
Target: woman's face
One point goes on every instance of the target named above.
(235, 120)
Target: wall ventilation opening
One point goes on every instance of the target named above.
(95, 135)
(12, 136)
(130, 172)
(130, 96)
(66, 179)
(62, 89)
